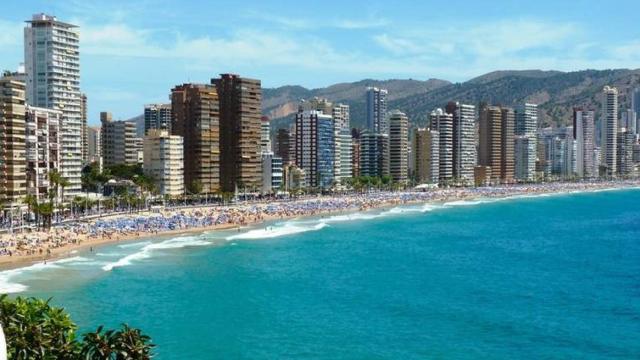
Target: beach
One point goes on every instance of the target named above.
(27, 248)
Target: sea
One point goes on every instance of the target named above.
(530, 277)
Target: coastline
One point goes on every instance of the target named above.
(69, 250)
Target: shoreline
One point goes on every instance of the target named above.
(69, 250)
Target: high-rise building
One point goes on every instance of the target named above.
(343, 150)
(464, 140)
(377, 110)
(626, 140)
(355, 152)
(157, 116)
(526, 125)
(609, 146)
(426, 153)
(94, 146)
(85, 134)
(525, 157)
(119, 143)
(195, 117)
(163, 161)
(315, 147)
(560, 152)
(628, 121)
(42, 149)
(635, 106)
(52, 60)
(497, 142)
(584, 136)
(13, 180)
(240, 113)
(265, 134)
(283, 145)
(443, 123)
(374, 154)
(271, 172)
(398, 146)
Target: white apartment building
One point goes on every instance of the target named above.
(163, 161)
(52, 65)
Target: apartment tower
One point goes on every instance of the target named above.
(195, 117)
(240, 101)
(52, 61)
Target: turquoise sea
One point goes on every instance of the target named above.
(548, 277)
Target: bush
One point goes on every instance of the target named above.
(35, 330)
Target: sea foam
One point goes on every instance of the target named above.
(147, 250)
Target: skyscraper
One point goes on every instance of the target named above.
(609, 145)
(497, 142)
(443, 124)
(315, 147)
(526, 126)
(635, 106)
(52, 61)
(342, 136)
(398, 146)
(85, 134)
(625, 164)
(240, 113)
(377, 110)
(13, 180)
(157, 116)
(425, 145)
(355, 152)
(195, 117)
(584, 135)
(374, 154)
(94, 145)
(464, 140)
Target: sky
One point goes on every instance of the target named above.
(134, 51)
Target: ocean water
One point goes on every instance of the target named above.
(550, 277)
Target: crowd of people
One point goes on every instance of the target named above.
(238, 215)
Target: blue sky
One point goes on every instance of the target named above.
(134, 51)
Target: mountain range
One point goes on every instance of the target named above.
(555, 92)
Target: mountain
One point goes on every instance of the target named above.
(281, 103)
(556, 93)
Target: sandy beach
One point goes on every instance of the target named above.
(40, 246)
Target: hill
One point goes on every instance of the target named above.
(556, 93)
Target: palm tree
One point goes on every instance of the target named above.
(30, 200)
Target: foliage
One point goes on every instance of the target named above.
(36, 330)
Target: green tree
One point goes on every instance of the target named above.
(36, 330)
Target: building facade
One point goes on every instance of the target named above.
(426, 153)
(195, 117)
(315, 147)
(163, 161)
(119, 142)
(376, 110)
(584, 136)
(608, 144)
(497, 142)
(464, 140)
(42, 150)
(442, 122)
(52, 61)
(526, 125)
(374, 154)
(398, 147)
(13, 164)
(158, 117)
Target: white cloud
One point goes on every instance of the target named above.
(11, 34)
(319, 22)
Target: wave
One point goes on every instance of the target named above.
(288, 228)
(134, 245)
(148, 249)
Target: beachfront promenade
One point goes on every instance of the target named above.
(34, 245)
